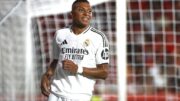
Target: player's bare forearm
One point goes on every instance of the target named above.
(46, 78)
(51, 69)
(100, 72)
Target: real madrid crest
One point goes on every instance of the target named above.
(86, 43)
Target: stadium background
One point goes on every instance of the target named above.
(153, 49)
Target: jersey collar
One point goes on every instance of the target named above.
(83, 31)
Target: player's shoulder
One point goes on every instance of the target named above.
(100, 36)
(62, 32)
(94, 30)
(64, 29)
(98, 33)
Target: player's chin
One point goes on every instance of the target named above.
(85, 24)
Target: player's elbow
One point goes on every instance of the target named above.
(104, 71)
(105, 75)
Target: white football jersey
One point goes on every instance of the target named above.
(86, 49)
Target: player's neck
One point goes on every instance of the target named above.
(78, 30)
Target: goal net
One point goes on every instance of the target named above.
(27, 29)
(153, 50)
(12, 50)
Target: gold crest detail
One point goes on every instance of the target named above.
(86, 43)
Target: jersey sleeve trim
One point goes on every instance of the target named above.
(105, 42)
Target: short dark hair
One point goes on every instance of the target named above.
(78, 1)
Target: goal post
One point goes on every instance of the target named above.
(121, 35)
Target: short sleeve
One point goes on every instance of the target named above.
(55, 49)
(102, 54)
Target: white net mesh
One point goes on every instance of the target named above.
(12, 50)
(153, 50)
(19, 81)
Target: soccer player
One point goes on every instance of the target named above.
(80, 57)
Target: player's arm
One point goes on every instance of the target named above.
(46, 78)
(100, 72)
(102, 62)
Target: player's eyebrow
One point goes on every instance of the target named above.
(88, 9)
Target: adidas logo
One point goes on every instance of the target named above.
(64, 42)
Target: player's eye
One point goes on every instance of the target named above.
(81, 10)
(90, 11)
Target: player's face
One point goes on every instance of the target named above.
(82, 14)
